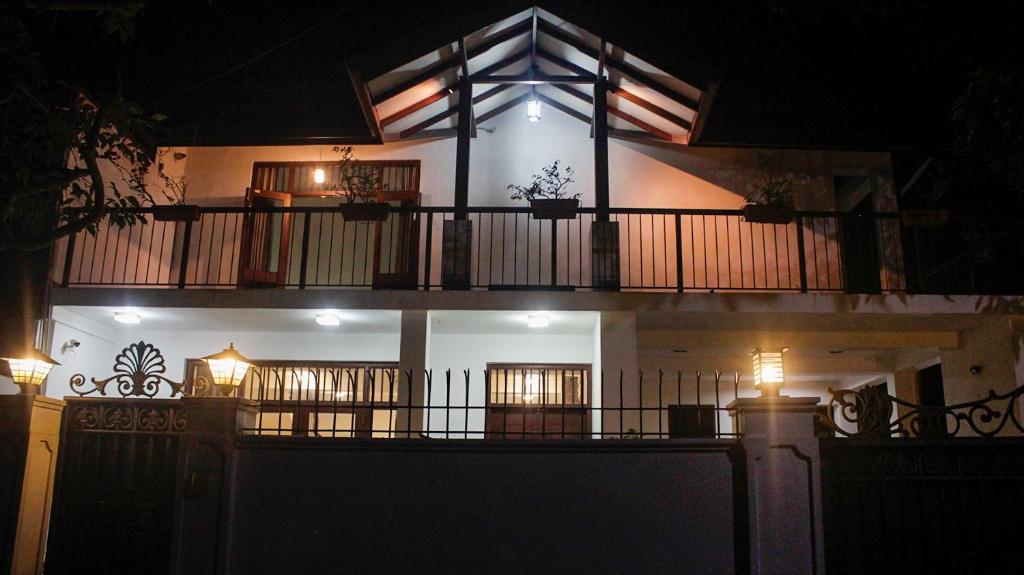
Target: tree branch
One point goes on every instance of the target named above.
(87, 150)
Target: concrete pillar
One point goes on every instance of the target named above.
(29, 435)
(412, 361)
(618, 356)
(201, 535)
(783, 484)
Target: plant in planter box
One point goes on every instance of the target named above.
(360, 184)
(773, 199)
(174, 190)
(546, 193)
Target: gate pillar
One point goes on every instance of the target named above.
(203, 485)
(29, 434)
(783, 484)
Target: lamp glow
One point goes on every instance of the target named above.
(319, 176)
(533, 110)
(30, 370)
(328, 319)
(769, 375)
(538, 320)
(228, 369)
(127, 317)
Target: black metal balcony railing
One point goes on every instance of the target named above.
(659, 250)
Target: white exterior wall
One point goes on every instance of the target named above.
(458, 351)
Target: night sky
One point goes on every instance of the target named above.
(845, 75)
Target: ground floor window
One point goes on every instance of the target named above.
(536, 401)
(321, 399)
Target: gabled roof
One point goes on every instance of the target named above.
(532, 54)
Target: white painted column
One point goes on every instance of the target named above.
(412, 362)
(783, 469)
(618, 356)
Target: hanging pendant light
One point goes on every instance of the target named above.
(533, 107)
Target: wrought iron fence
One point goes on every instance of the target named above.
(500, 403)
(658, 250)
(870, 412)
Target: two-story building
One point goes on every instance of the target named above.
(403, 287)
(657, 269)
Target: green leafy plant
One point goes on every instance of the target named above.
(773, 188)
(358, 182)
(550, 184)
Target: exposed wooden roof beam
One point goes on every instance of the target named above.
(564, 109)
(652, 108)
(451, 112)
(619, 65)
(500, 64)
(366, 105)
(662, 134)
(532, 79)
(465, 74)
(563, 63)
(503, 108)
(442, 93)
(446, 64)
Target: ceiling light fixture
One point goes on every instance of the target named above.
(533, 107)
(329, 319)
(127, 317)
(538, 320)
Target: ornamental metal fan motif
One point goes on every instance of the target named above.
(138, 372)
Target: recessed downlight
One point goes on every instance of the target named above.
(127, 317)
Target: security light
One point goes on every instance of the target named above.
(30, 370)
(128, 317)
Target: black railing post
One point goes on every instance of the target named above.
(304, 261)
(427, 251)
(184, 254)
(69, 255)
(679, 253)
(802, 252)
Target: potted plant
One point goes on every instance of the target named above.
(773, 199)
(174, 189)
(546, 194)
(359, 185)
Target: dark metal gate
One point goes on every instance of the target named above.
(114, 492)
(923, 506)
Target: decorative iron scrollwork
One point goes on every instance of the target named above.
(138, 372)
(127, 417)
(869, 411)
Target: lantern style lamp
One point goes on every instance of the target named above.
(228, 368)
(533, 107)
(769, 375)
(30, 370)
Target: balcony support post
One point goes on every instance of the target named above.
(601, 197)
(465, 133)
(412, 365)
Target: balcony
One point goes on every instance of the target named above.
(658, 250)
